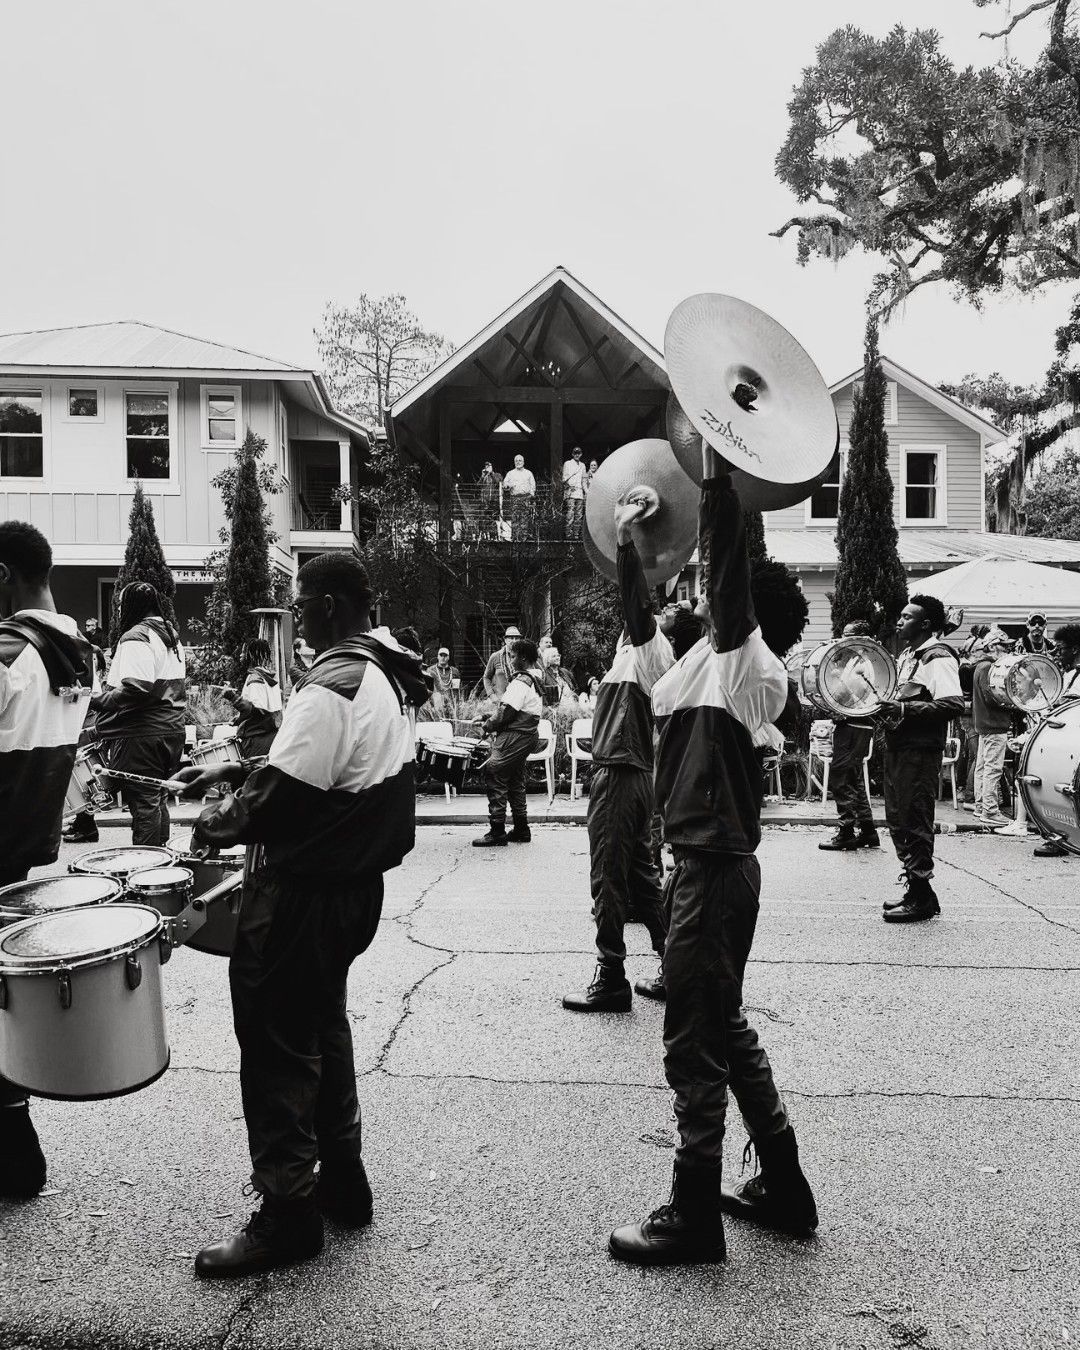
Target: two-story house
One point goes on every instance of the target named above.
(85, 412)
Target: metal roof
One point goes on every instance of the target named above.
(815, 549)
(127, 344)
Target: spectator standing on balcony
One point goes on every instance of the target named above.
(590, 474)
(499, 670)
(447, 679)
(521, 485)
(573, 477)
(491, 501)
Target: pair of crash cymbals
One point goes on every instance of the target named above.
(741, 385)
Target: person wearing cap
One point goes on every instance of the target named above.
(1035, 639)
(491, 501)
(573, 477)
(993, 722)
(499, 670)
(447, 681)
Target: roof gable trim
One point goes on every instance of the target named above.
(943, 402)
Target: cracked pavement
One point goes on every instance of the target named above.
(933, 1074)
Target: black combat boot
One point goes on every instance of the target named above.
(520, 834)
(919, 902)
(495, 838)
(22, 1163)
(843, 841)
(688, 1229)
(279, 1233)
(609, 992)
(867, 837)
(655, 988)
(82, 830)
(343, 1193)
(778, 1196)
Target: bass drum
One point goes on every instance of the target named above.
(1028, 682)
(81, 1008)
(51, 895)
(1049, 776)
(848, 677)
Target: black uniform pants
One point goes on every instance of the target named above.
(623, 875)
(708, 1043)
(294, 945)
(155, 757)
(850, 744)
(911, 785)
(504, 773)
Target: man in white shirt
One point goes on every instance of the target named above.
(512, 727)
(573, 477)
(520, 486)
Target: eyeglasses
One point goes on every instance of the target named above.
(296, 609)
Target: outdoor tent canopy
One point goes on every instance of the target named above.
(989, 589)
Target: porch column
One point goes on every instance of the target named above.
(555, 420)
(345, 470)
(446, 474)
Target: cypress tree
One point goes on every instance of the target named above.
(246, 582)
(144, 560)
(870, 582)
(754, 522)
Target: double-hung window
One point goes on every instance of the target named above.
(147, 427)
(923, 470)
(221, 417)
(22, 433)
(823, 507)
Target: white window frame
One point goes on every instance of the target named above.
(99, 416)
(942, 517)
(892, 404)
(169, 389)
(816, 522)
(15, 386)
(208, 391)
(283, 439)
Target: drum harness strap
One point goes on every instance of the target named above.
(65, 679)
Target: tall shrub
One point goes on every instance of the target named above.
(870, 582)
(144, 560)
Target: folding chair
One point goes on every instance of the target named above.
(546, 755)
(581, 730)
(948, 764)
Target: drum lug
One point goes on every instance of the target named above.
(132, 971)
(64, 988)
(1066, 789)
(3, 993)
(1030, 779)
(164, 947)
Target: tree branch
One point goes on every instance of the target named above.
(1019, 18)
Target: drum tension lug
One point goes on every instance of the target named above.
(132, 971)
(165, 948)
(64, 989)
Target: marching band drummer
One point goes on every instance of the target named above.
(709, 788)
(1067, 655)
(142, 709)
(46, 674)
(334, 808)
(512, 727)
(851, 743)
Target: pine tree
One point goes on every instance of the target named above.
(246, 582)
(144, 560)
(755, 535)
(870, 582)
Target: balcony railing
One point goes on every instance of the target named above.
(316, 507)
(546, 518)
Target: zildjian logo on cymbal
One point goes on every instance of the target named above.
(727, 433)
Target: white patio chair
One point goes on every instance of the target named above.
(948, 764)
(866, 767)
(821, 750)
(581, 730)
(436, 731)
(546, 755)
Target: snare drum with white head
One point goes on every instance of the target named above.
(51, 895)
(849, 677)
(120, 862)
(1028, 682)
(166, 889)
(1049, 775)
(85, 791)
(449, 761)
(81, 1008)
(225, 751)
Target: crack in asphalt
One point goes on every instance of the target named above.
(244, 1309)
(1034, 909)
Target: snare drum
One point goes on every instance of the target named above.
(85, 791)
(120, 862)
(225, 751)
(217, 936)
(81, 1009)
(449, 761)
(1027, 681)
(1049, 775)
(849, 677)
(50, 895)
(166, 889)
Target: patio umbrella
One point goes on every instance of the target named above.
(992, 590)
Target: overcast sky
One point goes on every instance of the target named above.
(224, 168)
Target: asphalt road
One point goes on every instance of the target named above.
(933, 1074)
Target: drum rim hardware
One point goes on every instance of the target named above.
(99, 957)
(818, 700)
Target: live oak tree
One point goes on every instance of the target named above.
(870, 582)
(967, 177)
(144, 560)
(374, 351)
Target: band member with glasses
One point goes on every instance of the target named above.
(709, 708)
(334, 808)
(46, 674)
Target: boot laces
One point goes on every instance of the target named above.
(750, 1154)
